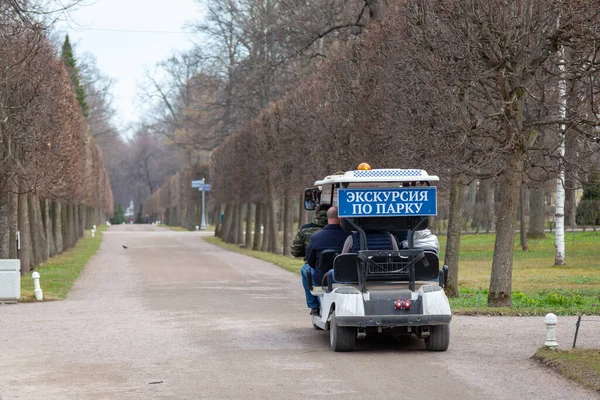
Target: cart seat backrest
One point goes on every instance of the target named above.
(326, 259)
(345, 268)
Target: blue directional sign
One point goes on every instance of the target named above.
(387, 202)
(198, 183)
(206, 187)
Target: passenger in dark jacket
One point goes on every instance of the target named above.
(330, 237)
(303, 235)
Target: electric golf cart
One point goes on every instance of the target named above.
(373, 290)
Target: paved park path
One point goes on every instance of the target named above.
(173, 317)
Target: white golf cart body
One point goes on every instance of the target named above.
(379, 282)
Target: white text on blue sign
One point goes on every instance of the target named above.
(387, 202)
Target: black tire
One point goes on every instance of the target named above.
(439, 338)
(341, 338)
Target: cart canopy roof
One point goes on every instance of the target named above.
(379, 175)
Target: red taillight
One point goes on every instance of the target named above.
(402, 304)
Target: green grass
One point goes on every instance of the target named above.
(580, 365)
(538, 286)
(58, 274)
(177, 228)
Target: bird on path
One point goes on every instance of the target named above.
(125, 247)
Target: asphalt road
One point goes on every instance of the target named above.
(173, 317)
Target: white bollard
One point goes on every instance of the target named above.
(197, 228)
(550, 322)
(37, 290)
(93, 232)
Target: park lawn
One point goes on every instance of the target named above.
(538, 286)
(580, 365)
(177, 228)
(58, 274)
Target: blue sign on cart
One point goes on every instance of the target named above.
(387, 202)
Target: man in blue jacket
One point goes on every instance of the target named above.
(331, 237)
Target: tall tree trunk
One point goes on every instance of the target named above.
(258, 219)
(25, 251)
(82, 219)
(71, 225)
(232, 233)
(38, 237)
(272, 210)
(51, 243)
(452, 254)
(75, 224)
(500, 293)
(4, 221)
(279, 213)
(288, 222)
(571, 153)
(181, 215)
(248, 242)
(231, 223)
(227, 222)
(218, 225)
(537, 211)
(470, 211)
(57, 226)
(64, 224)
(570, 205)
(559, 218)
(522, 216)
(239, 226)
(13, 221)
(301, 212)
(479, 219)
(266, 236)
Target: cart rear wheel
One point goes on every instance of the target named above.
(342, 338)
(439, 338)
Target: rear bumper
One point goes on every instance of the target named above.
(391, 321)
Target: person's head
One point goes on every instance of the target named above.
(332, 216)
(322, 207)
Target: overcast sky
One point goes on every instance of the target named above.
(100, 29)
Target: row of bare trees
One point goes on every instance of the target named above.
(470, 90)
(53, 184)
(252, 53)
(177, 203)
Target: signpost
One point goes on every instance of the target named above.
(202, 187)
